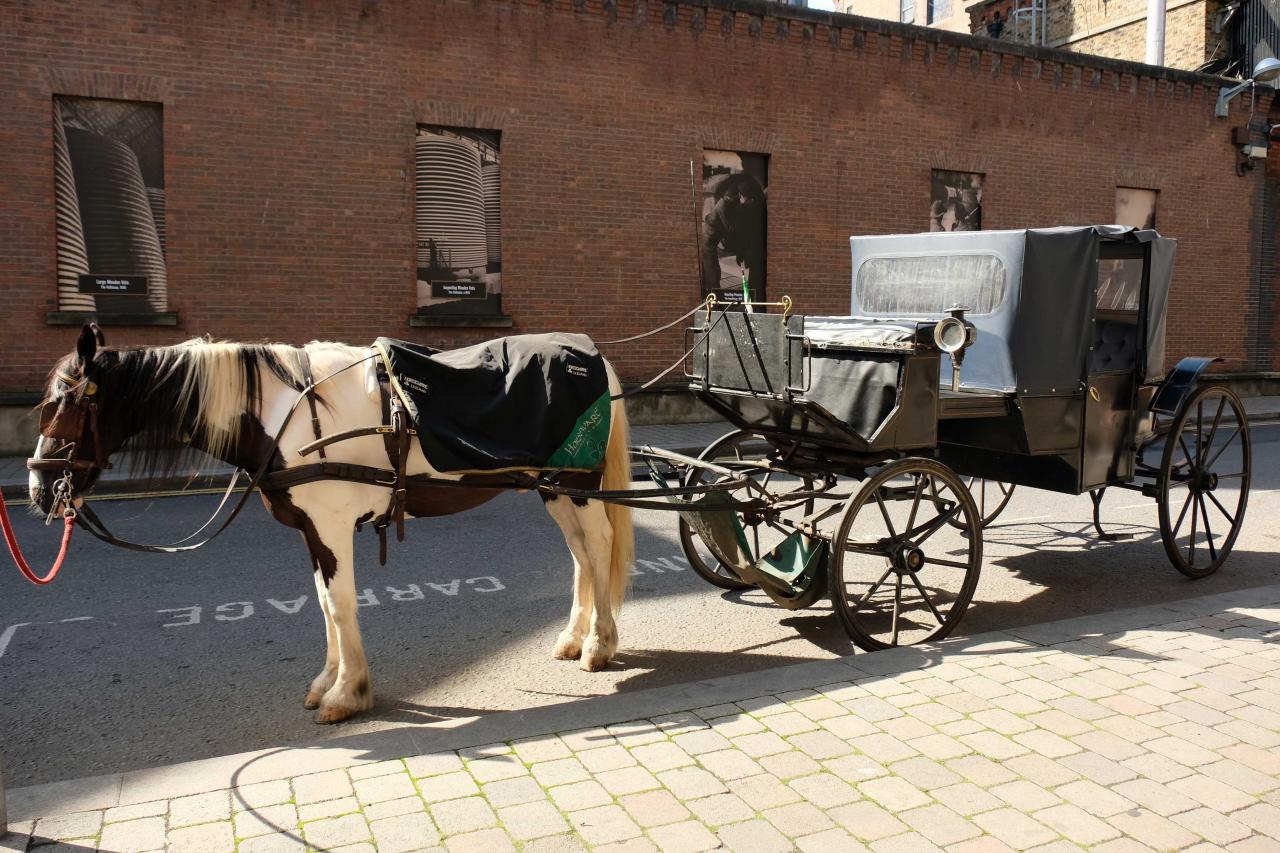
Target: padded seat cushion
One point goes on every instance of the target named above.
(1115, 346)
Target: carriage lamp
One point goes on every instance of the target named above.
(1266, 71)
(953, 336)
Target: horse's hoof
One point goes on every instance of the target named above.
(330, 715)
(313, 700)
(594, 660)
(567, 651)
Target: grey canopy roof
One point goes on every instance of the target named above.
(1032, 293)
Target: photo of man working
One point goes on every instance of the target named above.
(733, 224)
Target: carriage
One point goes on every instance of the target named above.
(871, 450)
(969, 364)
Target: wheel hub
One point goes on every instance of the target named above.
(1203, 480)
(907, 559)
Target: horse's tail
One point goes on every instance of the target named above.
(617, 476)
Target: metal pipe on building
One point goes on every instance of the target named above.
(1155, 32)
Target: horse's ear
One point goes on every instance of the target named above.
(87, 345)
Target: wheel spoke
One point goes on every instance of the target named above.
(1222, 509)
(1213, 430)
(884, 511)
(1208, 534)
(936, 615)
(1186, 452)
(915, 506)
(1230, 439)
(897, 605)
(867, 595)
(1199, 428)
(955, 564)
(936, 525)
(1191, 548)
(982, 501)
(1182, 514)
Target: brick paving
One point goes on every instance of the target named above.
(1163, 738)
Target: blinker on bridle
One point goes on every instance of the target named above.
(67, 424)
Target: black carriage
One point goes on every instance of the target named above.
(969, 364)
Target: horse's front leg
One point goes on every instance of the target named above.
(351, 691)
(322, 682)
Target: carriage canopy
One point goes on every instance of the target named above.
(1051, 305)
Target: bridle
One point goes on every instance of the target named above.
(68, 422)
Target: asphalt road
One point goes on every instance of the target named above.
(131, 660)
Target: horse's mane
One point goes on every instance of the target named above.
(196, 391)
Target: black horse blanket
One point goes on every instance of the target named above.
(525, 402)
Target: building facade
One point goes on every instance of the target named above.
(1198, 34)
(951, 15)
(292, 171)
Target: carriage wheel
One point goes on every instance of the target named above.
(1206, 454)
(991, 496)
(903, 565)
(761, 535)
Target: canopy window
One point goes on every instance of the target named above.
(909, 285)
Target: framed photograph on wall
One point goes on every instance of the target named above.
(733, 223)
(956, 201)
(110, 203)
(458, 220)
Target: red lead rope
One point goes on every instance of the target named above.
(69, 524)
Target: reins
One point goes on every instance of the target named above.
(90, 521)
(68, 525)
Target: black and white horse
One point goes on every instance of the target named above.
(230, 400)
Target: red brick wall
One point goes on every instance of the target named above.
(289, 132)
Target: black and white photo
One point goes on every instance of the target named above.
(733, 221)
(457, 220)
(956, 203)
(109, 196)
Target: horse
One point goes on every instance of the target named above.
(233, 401)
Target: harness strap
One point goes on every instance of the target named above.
(304, 362)
(287, 478)
(89, 520)
(359, 432)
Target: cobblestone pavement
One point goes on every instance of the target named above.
(1163, 738)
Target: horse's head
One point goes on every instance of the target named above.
(75, 438)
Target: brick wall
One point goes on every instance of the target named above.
(289, 133)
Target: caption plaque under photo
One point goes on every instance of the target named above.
(113, 285)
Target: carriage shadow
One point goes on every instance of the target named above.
(1074, 573)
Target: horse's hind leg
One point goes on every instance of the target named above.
(569, 643)
(322, 682)
(602, 638)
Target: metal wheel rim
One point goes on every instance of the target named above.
(984, 497)
(873, 618)
(1195, 448)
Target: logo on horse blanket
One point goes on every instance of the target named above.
(527, 402)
